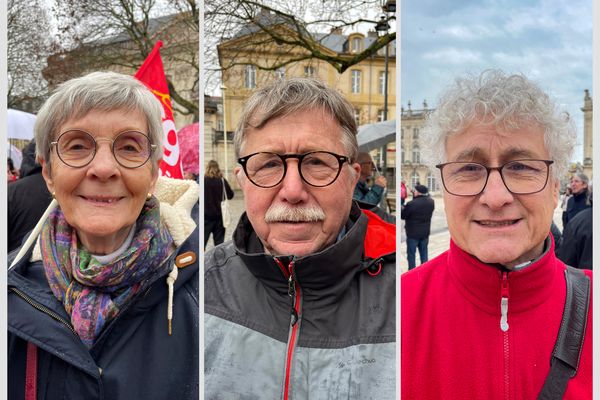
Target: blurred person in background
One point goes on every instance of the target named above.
(216, 189)
(579, 200)
(576, 245)
(417, 213)
(362, 192)
(27, 199)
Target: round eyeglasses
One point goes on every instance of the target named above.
(317, 168)
(77, 148)
(519, 176)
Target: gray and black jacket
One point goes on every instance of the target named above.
(315, 327)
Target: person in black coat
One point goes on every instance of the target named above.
(576, 244)
(577, 203)
(214, 184)
(417, 213)
(28, 198)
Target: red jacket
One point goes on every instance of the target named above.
(452, 344)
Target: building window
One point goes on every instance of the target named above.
(431, 184)
(220, 124)
(356, 44)
(280, 73)
(309, 71)
(355, 81)
(357, 116)
(415, 179)
(402, 133)
(402, 156)
(382, 82)
(415, 133)
(250, 77)
(416, 155)
(380, 116)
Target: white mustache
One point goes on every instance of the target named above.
(283, 213)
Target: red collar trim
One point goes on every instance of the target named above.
(380, 238)
(480, 283)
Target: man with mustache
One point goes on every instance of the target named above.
(301, 304)
(497, 316)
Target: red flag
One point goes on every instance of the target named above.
(152, 74)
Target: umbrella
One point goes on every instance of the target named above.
(376, 135)
(189, 142)
(16, 155)
(20, 125)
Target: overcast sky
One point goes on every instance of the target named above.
(550, 41)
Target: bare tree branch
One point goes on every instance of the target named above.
(301, 30)
(103, 34)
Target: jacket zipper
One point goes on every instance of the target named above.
(43, 309)
(504, 328)
(294, 293)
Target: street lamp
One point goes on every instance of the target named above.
(223, 89)
(382, 29)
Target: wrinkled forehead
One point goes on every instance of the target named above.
(491, 142)
(314, 129)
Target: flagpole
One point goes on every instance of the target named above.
(223, 89)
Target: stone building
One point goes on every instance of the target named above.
(413, 171)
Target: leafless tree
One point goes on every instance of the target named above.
(28, 46)
(292, 25)
(121, 33)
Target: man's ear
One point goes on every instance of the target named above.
(240, 177)
(356, 167)
(46, 174)
(555, 191)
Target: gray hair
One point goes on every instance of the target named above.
(583, 177)
(103, 91)
(507, 101)
(285, 97)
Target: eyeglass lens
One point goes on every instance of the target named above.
(268, 169)
(520, 177)
(77, 148)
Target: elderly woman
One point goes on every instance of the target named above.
(103, 295)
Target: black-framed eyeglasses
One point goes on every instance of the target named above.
(316, 168)
(77, 148)
(519, 176)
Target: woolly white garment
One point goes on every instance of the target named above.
(177, 198)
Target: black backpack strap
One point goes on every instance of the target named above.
(569, 344)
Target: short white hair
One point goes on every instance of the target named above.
(104, 91)
(507, 101)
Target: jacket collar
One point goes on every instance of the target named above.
(320, 275)
(480, 283)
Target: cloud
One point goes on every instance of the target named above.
(453, 56)
(550, 41)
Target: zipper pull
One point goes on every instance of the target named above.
(504, 303)
(291, 286)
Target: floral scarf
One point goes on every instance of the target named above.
(92, 293)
